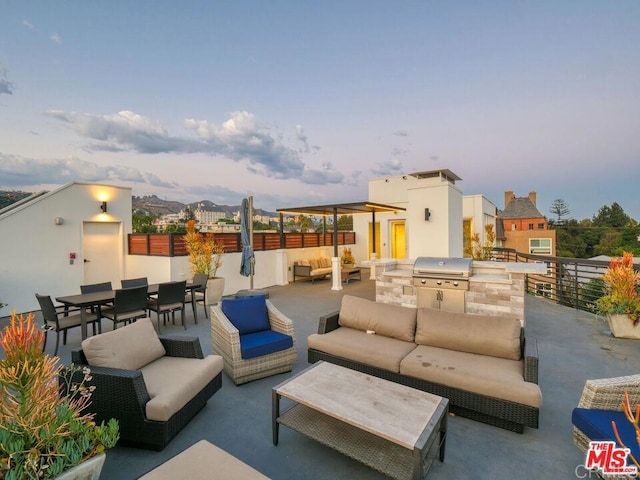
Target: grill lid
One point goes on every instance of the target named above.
(442, 267)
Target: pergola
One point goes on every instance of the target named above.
(341, 209)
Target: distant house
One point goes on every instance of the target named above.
(522, 227)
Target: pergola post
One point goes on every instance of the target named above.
(336, 276)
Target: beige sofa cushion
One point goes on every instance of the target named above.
(324, 262)
(376, 350)
(384, 319)
(130, 347)
(173, 381)
(487, 335)
(494, 377)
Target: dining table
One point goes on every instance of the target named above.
(85, 301)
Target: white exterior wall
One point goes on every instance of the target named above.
(482, 211)
(34, 251)
(441, 235)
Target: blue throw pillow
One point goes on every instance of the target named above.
(248, 315)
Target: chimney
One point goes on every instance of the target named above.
(533, 198)
(508, 196)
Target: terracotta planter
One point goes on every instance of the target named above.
(88, 470)
(621, 326)
(215, 290)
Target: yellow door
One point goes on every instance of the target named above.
(377, 242)
(398, 240)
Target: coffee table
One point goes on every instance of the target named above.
(350, 274)
(390, 427)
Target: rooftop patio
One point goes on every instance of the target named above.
(573, 346)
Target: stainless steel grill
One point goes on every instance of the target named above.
(441, 282)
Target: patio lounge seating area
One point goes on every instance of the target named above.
(573, 347)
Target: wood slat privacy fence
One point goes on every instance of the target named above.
(173, 244)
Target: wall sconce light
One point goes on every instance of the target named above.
(427, 214)
(103, 207)
(58, 220)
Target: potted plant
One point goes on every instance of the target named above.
(205, 257)
(44, 433)
(347, 259)
(621, 302)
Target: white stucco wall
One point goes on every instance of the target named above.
(34, 251)
(482, 211)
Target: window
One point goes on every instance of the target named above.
(541, 246)
(543, 289)
(531, 226)
(541, 226)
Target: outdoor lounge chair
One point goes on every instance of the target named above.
(601, 404)
(255, 339)
(152, 385)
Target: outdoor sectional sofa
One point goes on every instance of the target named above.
(313, 268)
(482, 364)
(152, 385)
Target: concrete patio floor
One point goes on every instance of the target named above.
(573, 346)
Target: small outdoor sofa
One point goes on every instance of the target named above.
(152, 385)
(482, 364)
(312, 268)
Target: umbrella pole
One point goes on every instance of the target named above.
(253, 261)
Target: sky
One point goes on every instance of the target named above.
(302, 103)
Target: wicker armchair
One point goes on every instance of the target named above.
(225, 338)
(607, 394)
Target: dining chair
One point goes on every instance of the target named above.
(129, 304)
(135, 282)
(170, 299)
(96, 287)
(198, 294)
(61, 318)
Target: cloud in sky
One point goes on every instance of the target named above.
(27, 24)
(56, 38)
(401, 133)
(240, 138)
(388, 167)
(6, 87)
(17, 171)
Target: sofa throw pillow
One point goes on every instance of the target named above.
(314, 262)
(379, 318)
(325, 262)
(466, 332)
(248, 314)
(130, 347)
(303, 263)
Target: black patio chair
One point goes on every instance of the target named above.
(198, 294)
(61, 318)
(129, 305)
(135, 282)
(170, 299)
(96, 287)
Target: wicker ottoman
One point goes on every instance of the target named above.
(203, 461)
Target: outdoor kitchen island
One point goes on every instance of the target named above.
(494, 288)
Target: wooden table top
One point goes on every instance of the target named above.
(389, 410)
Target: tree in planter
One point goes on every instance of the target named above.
(621, 287)
(205, 255)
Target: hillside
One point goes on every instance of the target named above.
(153, 205)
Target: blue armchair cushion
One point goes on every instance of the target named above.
(257, 344)
(248, 314)
(596, 425)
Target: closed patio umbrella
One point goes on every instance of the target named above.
(247, 262)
